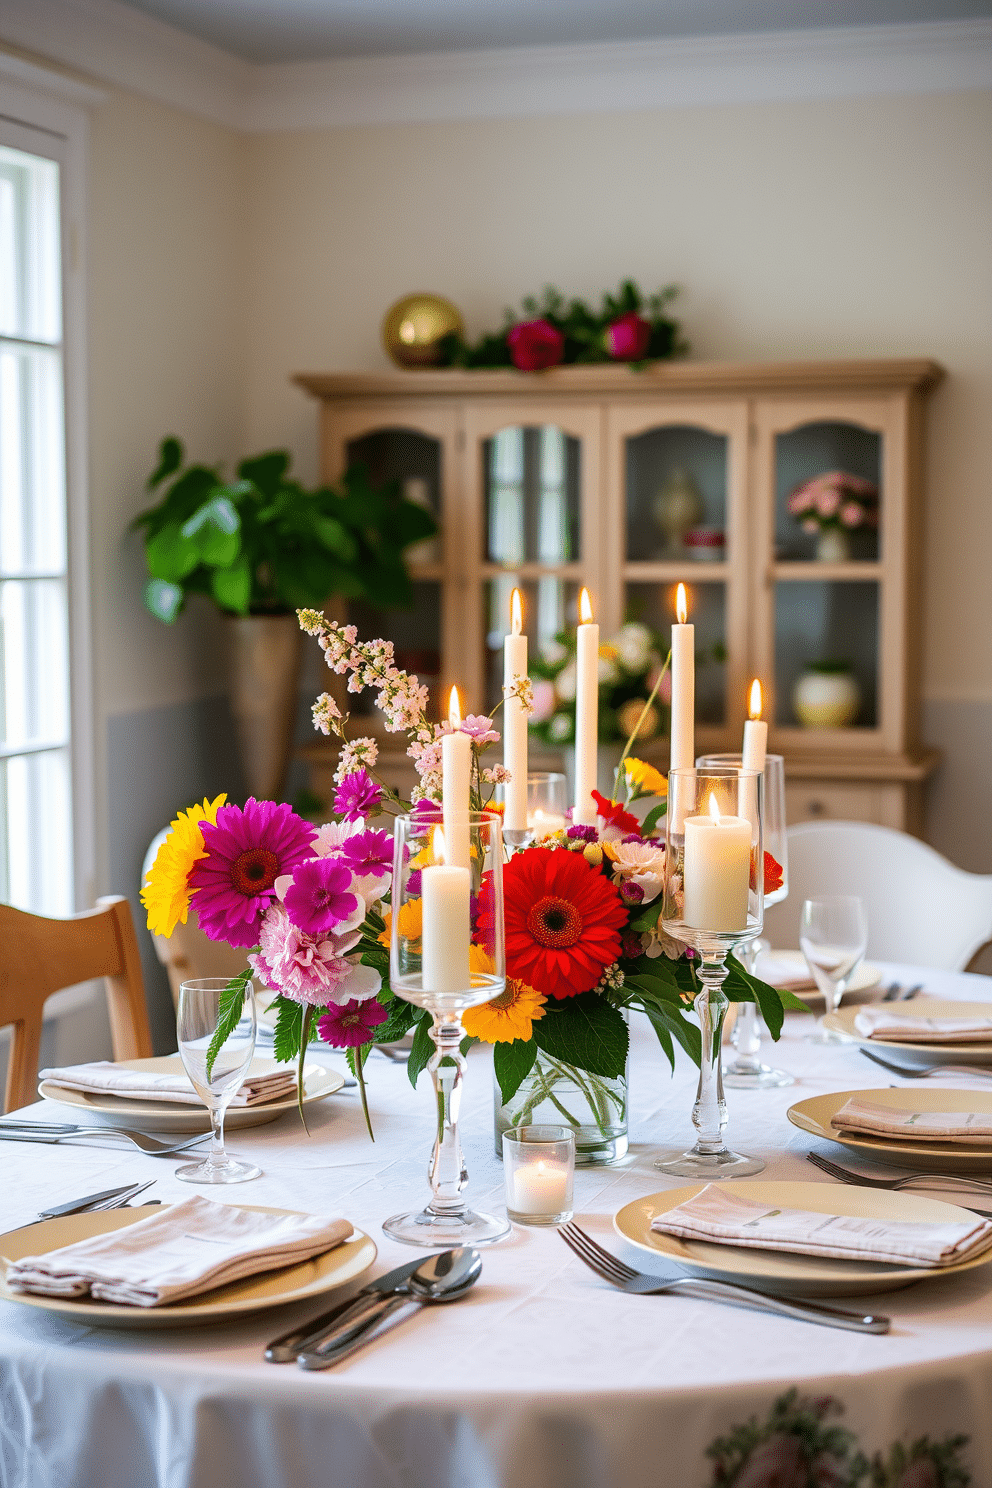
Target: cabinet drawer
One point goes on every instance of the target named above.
(882, 802)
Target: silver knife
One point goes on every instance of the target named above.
(346, 1316)
(79, 1206)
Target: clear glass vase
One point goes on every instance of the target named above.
(558, 1094)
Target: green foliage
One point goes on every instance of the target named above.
(582, 327)
(512, 1063)
(586, 1031)
(231, 1008)
(262, 544)
(423, 1048)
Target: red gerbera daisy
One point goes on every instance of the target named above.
(563, 921)
(774, 877)
(614, 815)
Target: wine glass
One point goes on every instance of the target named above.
(833, 935)
(196, 1024)
(747, 1072)
(714, 901)
(446, 954)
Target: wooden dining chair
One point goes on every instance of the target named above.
(39, 956)
(187, 953)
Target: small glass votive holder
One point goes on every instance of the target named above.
(539, 1167)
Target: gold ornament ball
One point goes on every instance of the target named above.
(413, 328)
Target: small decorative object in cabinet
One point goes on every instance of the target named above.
(551, 481)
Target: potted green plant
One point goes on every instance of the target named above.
(262, 546)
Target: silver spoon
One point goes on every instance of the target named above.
(441, 1278)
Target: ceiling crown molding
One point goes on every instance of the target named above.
(119, 45)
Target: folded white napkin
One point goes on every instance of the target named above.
(728, 1219)
(973, 1127)
(186, 1249)
(878, 1023)
(104, 1078)
(788, 974)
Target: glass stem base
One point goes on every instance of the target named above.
(747, 1072)
(430, 1230)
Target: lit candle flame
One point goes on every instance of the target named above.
(455, 709)
(438, 852)
(516, 613)
(714, 807)
(754, 705)
(585, 608)
(681, 604)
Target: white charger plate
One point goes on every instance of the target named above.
(296, 1283)
(795, 1275)
(170, 1116)
(814, 1115)
(923, 1056)
(792, 965)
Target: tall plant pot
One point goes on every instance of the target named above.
(264, 678)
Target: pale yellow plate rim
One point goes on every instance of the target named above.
(951, 1156)
(865, 980)
(921, 1054)
(327, 1271)
(776, 1271)
(113, 1110)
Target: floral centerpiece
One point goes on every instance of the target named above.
(631, 664)
(835, 500)
(311, 905)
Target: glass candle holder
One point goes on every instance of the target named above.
(446, 954)
(714, 900)
(746, 1071)
(539, 1168)
(547, 807)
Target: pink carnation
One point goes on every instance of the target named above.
(307, 969)
(852, 514)
(828, 501)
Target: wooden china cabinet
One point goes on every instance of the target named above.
(550, 481)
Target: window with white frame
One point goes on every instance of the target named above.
(36, 816)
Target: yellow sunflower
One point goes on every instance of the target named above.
(509, 1016)
(166, 893)
(645, 777)
(411, 921)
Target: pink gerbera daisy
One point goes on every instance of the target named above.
(246, 852)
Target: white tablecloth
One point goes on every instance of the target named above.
(543, 1377)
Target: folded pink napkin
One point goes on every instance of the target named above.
(971, 1127)
(879, 1023)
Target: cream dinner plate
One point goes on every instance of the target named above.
(169, 1116)
(297, 1283)
(814, 1116)
(796, 1275)
(922, 1055)
(792, 964)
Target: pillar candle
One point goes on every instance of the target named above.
(586, 713)
(515, 722)
(540, 1188)
(446, 932)
(755, 733)
(717, 871)
(683, 752)
(456, 762)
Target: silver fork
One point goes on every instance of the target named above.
(975, 1071)
(627, 1280)
(845, 1175)
(54, 1132)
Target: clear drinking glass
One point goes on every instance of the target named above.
(196, 1024)
(447, 954)
(539, 1169)
(714, 901)
(833, 936)
(747, 1072)
(547, 807)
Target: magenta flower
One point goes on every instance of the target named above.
(246, 852)
(480, 729)
(351, 1025)
(535, 344)
(356, 796)
(320, 900)
(627, 337)
(369, 854)
(427, 811)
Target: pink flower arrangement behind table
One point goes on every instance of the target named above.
(834, 499)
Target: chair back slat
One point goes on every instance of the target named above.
(40, 956)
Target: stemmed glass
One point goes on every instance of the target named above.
(747, 1072)
(833, 936)
(547, 808)
(196, 1024)
(447, 954)
(714, 900)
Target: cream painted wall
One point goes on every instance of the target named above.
(820, 229)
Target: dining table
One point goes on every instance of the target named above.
(543, 1375)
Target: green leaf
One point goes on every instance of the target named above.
(265, 471)
(512, 1063)
(585, 1031)
(653, 817)
(170, 555)
(231, 587)
(164, 600)
(170, 457)
(423, 1049)
(402, 1016)
(288, 1030)
(659, 1023)
(232, 1005)
(772, 1001)
(219, 512)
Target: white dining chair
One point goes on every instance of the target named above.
(921, 908)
